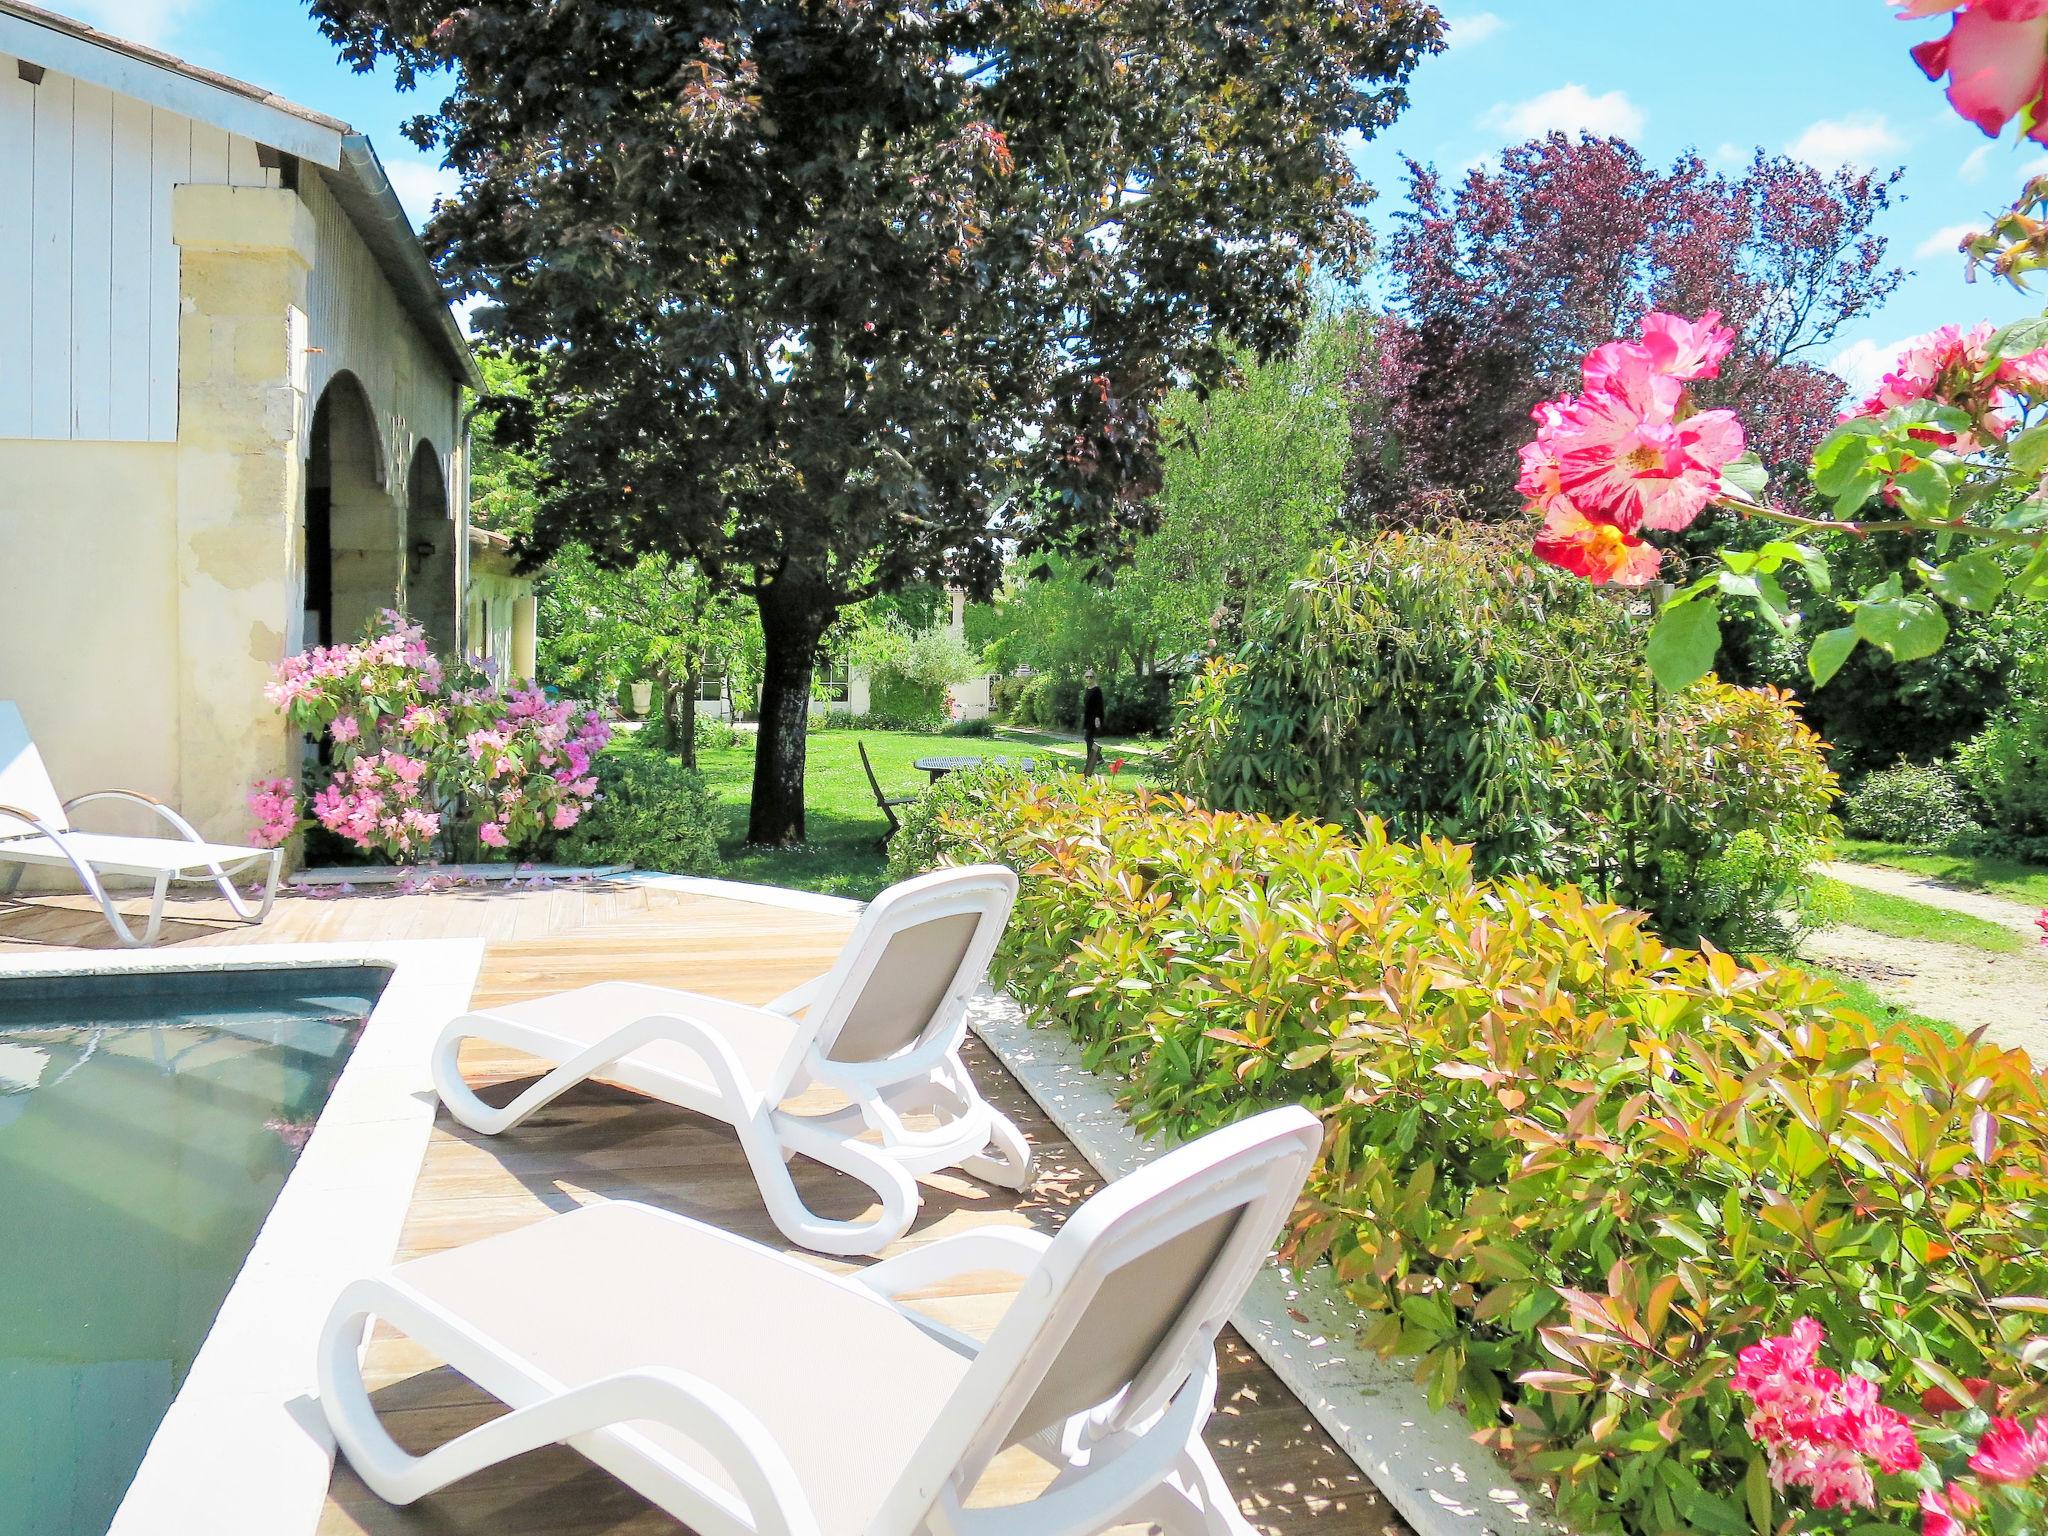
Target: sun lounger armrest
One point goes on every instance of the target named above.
(797, 998)
(1011, 1250)
(184, 828)
(37, 827)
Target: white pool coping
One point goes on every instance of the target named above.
(244, 1449)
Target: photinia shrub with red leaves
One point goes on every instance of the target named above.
(1570, 1173)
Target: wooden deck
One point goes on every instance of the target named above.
(603, 1143)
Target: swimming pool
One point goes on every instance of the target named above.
(147, 1124)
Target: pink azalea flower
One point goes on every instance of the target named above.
(345, 728)
(491, 834)
(1995, 57)
(566, 817)
(2041, 923)
(2010, 1454)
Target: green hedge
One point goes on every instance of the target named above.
(651, 812)
(1569, 1169)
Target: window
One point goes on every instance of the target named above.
(711, 688)
(835, 680)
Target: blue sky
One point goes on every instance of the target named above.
(1828, 80)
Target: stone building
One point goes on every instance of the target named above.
(231, 416)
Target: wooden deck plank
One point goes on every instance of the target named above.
(600, 1142)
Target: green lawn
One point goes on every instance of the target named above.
(1864, 998)
(2001, 877)
(840, 813)
(1135, 748)
(1900, 917)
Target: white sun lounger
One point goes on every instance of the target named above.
(747, 1392)
(883, 1027)
(35, 828)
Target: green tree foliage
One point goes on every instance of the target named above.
(909, 670)
(1876, 709)
(813, 289)
(1255, 488)
(656, 620)
(2007, 765)
(1456, 690)
(504, 481)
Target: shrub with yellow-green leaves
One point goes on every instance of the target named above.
(1569, 1170)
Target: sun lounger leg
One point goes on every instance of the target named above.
(1192, 1502)
(462, 1101)
(123, 934)
(242, 908)
(1009, 1161)
(770, 1139)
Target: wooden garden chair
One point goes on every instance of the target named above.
(887, 802)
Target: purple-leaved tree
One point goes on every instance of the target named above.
(1503, 282)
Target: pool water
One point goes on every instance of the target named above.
(147, 1123)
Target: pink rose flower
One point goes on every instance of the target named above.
(1995, 57)
(2009, 1454)
(1624, 453)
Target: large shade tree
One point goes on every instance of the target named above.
(1503, 280)
(831, 296)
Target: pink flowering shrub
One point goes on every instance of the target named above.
(1968, 1465)
(421, 753)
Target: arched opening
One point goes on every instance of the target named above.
(354, 551)
(431, 595)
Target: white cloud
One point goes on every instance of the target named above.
(1974, 163)
(1471, 31)
(1946, 242)
(1569, 109)
(1861, 139)
(1728, 157)
(154, 22)
(1863, 364)
(418, 183)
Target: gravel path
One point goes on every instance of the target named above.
(2007, 994)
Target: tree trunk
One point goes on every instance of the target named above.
(793, 618)
(686, 717)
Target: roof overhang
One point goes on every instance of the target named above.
(353, 172)
(365, 195)
(85, 53)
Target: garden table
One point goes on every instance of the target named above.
(939, 767)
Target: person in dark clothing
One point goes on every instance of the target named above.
(1092, 714)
